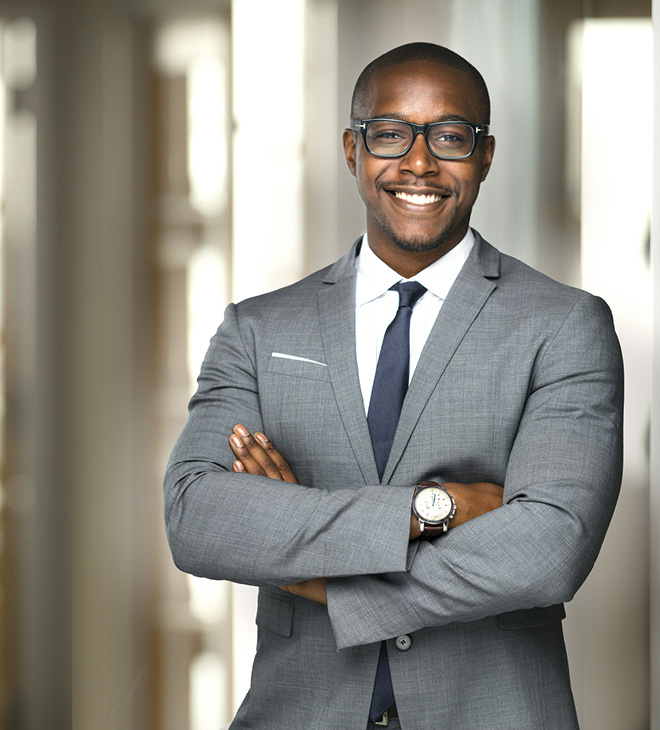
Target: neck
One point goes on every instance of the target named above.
(409, 263)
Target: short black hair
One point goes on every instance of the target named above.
(420, 52)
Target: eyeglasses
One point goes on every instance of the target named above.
(394, 138)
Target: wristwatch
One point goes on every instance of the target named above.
(434, 507)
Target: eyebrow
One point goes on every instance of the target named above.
(441, 118)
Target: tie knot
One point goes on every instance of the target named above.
(409, 292)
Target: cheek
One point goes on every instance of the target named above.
(366, 183)
(370, 170)
(469, 183)
(362, 188)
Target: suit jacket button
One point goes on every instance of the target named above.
(403, 643)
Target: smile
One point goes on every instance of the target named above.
(418, 199)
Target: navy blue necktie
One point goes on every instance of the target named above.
(391, 379)
(389, 390)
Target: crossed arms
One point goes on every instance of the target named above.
(256, 454)
(561, 479)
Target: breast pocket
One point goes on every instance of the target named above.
(309, 365)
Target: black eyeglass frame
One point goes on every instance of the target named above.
(361, 125)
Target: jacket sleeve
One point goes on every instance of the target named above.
(561, 486)
(258, 531)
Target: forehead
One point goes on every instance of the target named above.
(422, 91)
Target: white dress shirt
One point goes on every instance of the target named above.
(376, 306)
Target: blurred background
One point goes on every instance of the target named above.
(137, 197)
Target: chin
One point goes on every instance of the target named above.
(421, 244)
(418, 246)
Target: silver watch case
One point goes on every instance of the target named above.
(434, 506)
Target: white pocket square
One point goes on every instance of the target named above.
(295, 357)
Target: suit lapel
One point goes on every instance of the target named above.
(337, 320)
(466, 298)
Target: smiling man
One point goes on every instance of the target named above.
(418, 208)
(414, 453)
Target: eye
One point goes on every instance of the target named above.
(388, 133)
(448, 136)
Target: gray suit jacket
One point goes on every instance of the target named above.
(520, 383)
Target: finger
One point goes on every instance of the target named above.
(245, 457)
(238, 466)
(281, 464)
(260, 459)
(266, 455)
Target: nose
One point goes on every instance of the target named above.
(419, 160)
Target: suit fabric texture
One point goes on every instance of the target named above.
(520, 384)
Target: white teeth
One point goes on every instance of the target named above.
(418, 199)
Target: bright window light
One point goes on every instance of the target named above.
(207, 136)
(617, 132)
(617, 135)
(207, 674)
(20, 53)
(206, 302)
(268, 144)
(616, 57)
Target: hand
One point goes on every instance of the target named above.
(314, 590)
(472, 500)
(257, 455)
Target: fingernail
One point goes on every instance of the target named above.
(242, 430)
(238, 466)
(236, 441)
(261, 438)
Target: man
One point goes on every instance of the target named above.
(304, 449)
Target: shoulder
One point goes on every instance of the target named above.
(521, 288)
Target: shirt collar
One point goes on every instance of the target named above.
(375, 277)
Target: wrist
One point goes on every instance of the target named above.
(415, 532)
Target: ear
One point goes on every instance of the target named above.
(487, 159)
(348, 141)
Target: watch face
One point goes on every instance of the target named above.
(433, 505)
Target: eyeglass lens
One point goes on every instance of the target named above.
(446, 139)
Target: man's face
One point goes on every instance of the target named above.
(398, 222)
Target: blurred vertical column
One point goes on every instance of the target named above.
(191, 242)
(268, 154)
(322, 133)
(613, 59)
(502, 38)
(24, 582)
(97, 515)
(655, 391)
